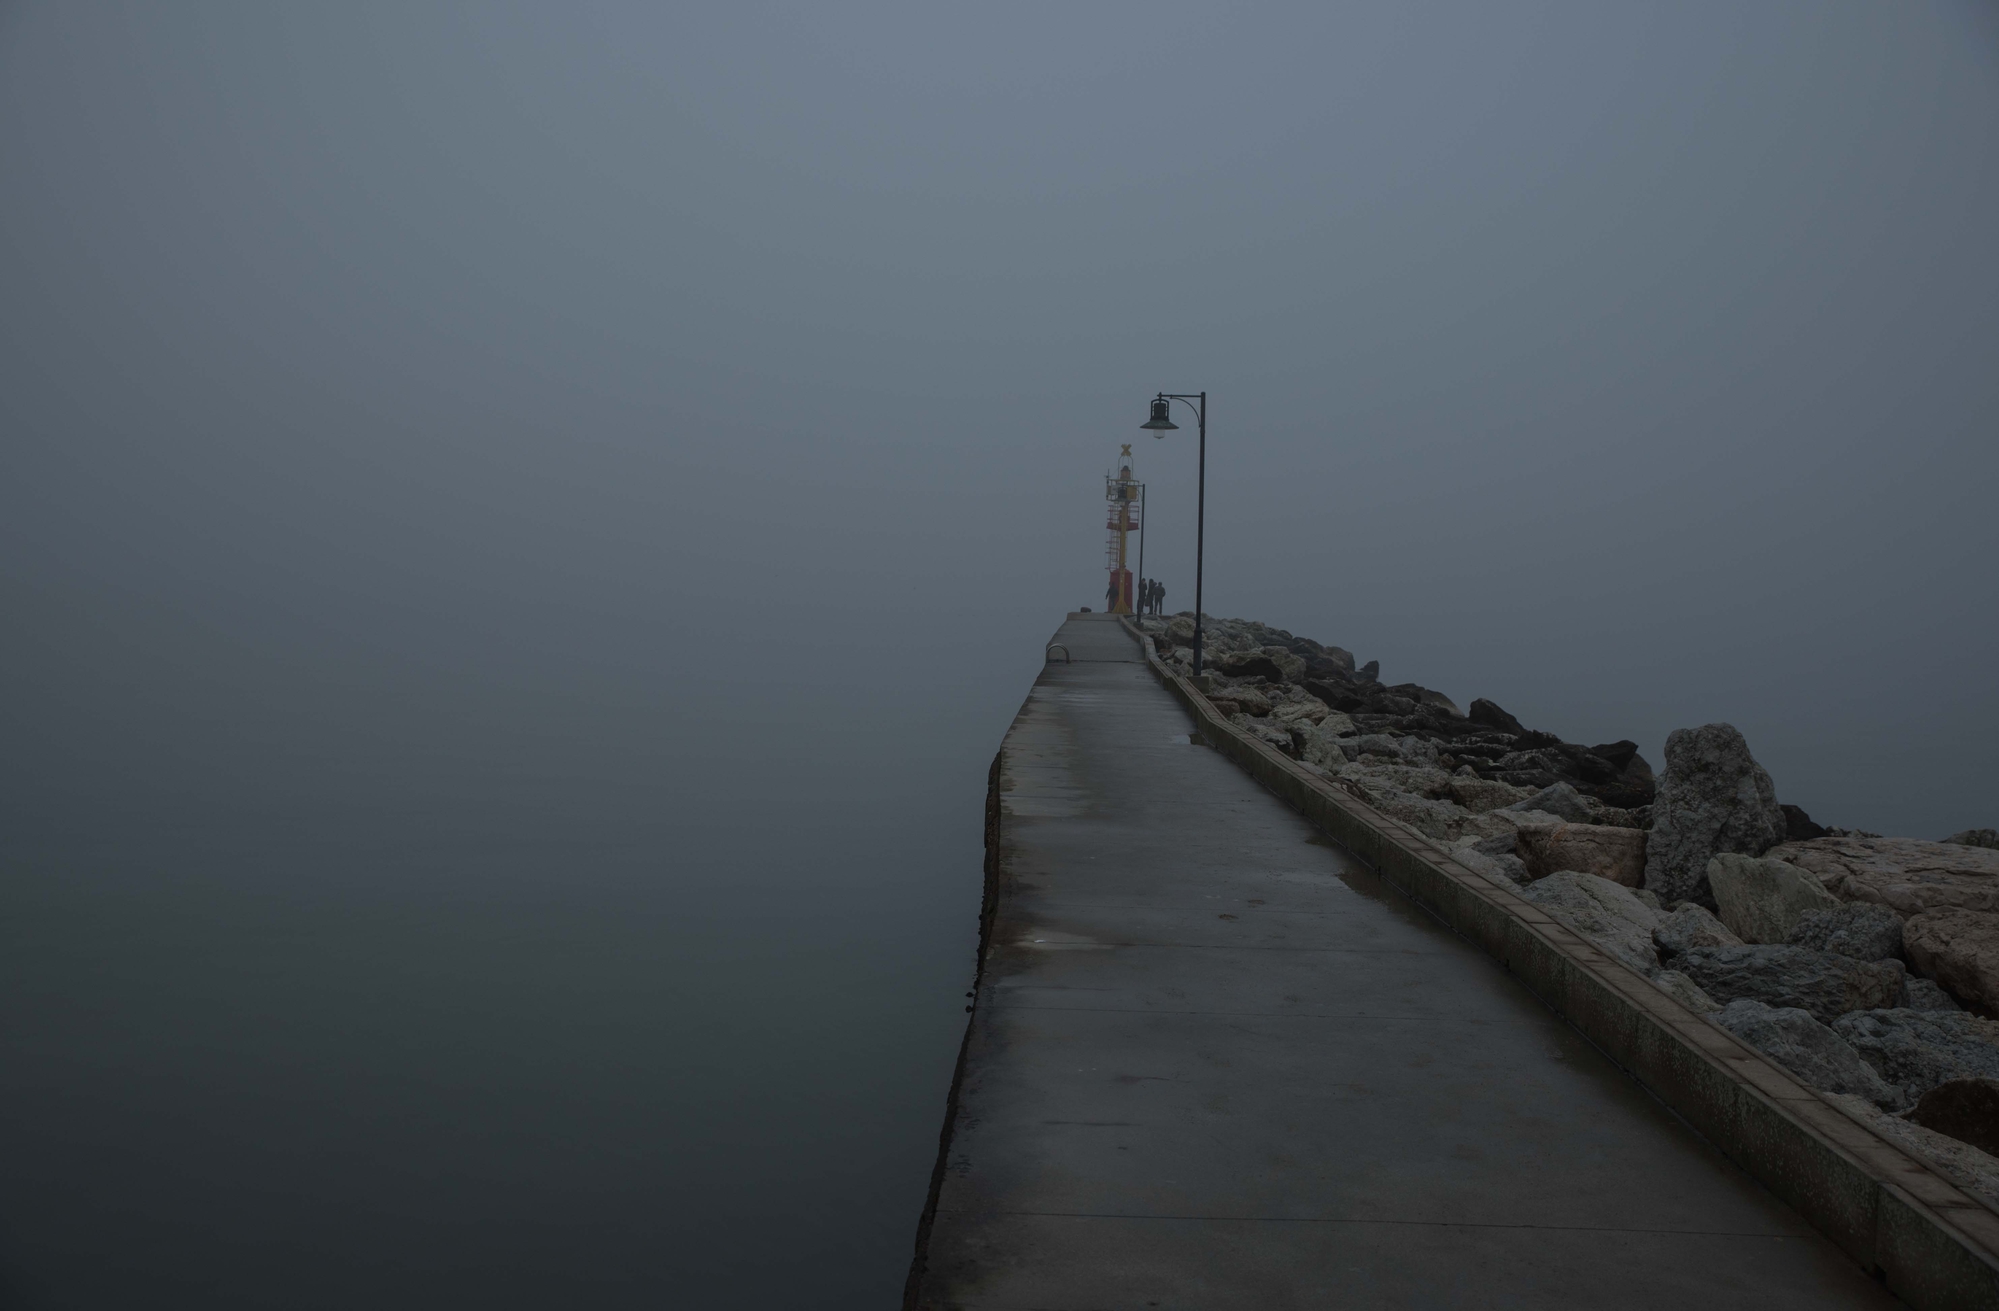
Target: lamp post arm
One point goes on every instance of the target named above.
(1200, 410)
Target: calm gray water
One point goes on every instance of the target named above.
(593, 1010)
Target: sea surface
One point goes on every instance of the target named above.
(505, 997)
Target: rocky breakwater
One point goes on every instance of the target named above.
(1866, 965)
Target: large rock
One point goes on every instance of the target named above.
(1420, 751)
(1825, 984)
(1617, 854)
(1976, 837)
(1499, 865)
(1310, 710)
(1263, 730)
(1960, 950)
(1634, 785)
(1685, 991)
(1385, 745)
(1290, 666)
(1920, 994)
(1249, 700)
(1250, 664)
(1760, 900)
(1483, 794)
(1491, 716)
(1964, 1109)
(1819, 1057)
(1918, 1050)
(1323, 744)
(1558, 799)
(1714, 798)
(1604, 912)
(1378, 772)
(1858, 929)
(1691, 926)
(1798, 826)
(1907, 874)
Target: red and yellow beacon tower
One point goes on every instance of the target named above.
(1125, 500)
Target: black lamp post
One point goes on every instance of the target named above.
(1159, 425)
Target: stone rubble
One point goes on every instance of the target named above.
(1794, 1038)
(1760, 900)
(1845, 956)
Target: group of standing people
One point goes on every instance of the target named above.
(1150, 596)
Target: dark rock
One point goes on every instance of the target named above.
(1471, 749)
(1581, 764)
(1540, 760)
(1691, 926)
(1920, 1050)
(1821, 982)
(1856, 929)
(1318, 666)
(1976, 837)
(1488, 713)
(1527, 778)
(1426, 697)
(1920, 994)
(1818, 1056)
(1714, 798)
(1369, 672)
(1561, 801)
(1964, 1109)
(1798, 826)
(1337, 693)
(1623, 792)
(1633, 788)
(1616, 754)
(1245, 664)
(1440, 724)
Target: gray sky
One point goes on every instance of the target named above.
(1629, 364)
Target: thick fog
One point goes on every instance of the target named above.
(523, 525)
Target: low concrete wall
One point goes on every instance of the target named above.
(1934, 1245)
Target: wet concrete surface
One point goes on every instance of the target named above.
(1217, 1063)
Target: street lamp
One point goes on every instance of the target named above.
(1159, 425)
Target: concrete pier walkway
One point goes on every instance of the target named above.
(1216, 1063)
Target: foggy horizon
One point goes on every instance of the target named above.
(525, 525)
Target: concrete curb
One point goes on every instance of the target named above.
(912, 1288)
(1935, 1246)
